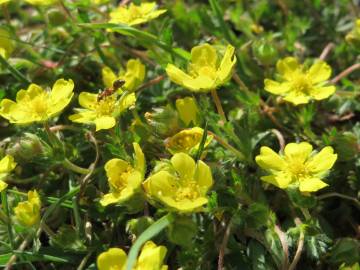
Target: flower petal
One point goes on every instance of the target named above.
(139, 159)
(62, 89)
(160, 184)
(84, 116)
(108, 77)
(287, 66)
(104, 122)
(113, 258)
(7, 164)
(276, 87)
(115, 167)
(3, 185)
(323, 161)
(269, 160)
(319, 72)
(203, 55)
(281, 180)
(226, 66)
(311, 185)
(88, 100)
(151, 256)
(297, 98)
(319, 93)
(187, 110)
(203, 176)
(184, 205)
(184, 165)
(298, 151)
(177, 75)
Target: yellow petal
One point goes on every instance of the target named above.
(112, 259)
(15, 113)
(88, 100)
(32, 92)
(160, 184)
(108, 77)
(311, 185)
(298, 151)
(184, 165)
(281, 179)
(62, 89)
(200, 83)
(297, 98)
(320, 93)
(139, 159)
(203, 176)
(276, 87)
(151, 257)
(135, 74)
(116, 197)
(203, 55)
(125, 103)
(323, 161)
(177, 75)
(85, 117)
(319, 72)
(115, 167)
(3, 185)
(287, 66)
(104, 122)
(269, 160)
(227, 64)
(187, 110)
(7, 164)
(184, 205)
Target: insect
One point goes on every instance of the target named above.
(109, 91)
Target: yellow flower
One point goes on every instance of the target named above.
(133, 76)
(101, 111)
(7, 164)
(4, 1)
(206, 73)
(6, 44)
(187, 141)
(124, 179)
(299, 85)
(298, 166)
(354, 35)
(182, 186)
(151, 258)
(41, 2)
(133, 14)
(187, 109)
(28, 212)
(37, 105)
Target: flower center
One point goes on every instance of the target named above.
(185, 141)
(302, 84)
(120, 182)
(105, 106)
(298, 169)
(189, 190)
(39, 105)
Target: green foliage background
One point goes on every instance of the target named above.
(244, 214)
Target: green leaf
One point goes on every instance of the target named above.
(148, 234)
(345, 250)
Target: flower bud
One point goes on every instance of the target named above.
(56, 17)
(264, 52)
(187, 110)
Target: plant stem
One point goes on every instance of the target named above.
(218, 105)
(227, 146)
(224, 245)
(21, 248)
(345, 73)
(299, 247)
(5, 205)
(71, 166)
(18, 75)
(335, 194)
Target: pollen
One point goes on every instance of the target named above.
(106, 106)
